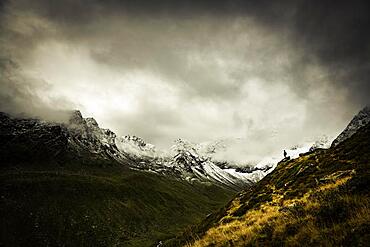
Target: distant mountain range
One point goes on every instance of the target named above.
(26, 140)
(82, 140)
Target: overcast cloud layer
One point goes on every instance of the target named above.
(274, 74)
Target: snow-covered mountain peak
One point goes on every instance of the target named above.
(203, 149)
(358, 121)
(323, 142)
(91, 122)
(83, 138)
(136, 146)
(75, 118)
(136, 140)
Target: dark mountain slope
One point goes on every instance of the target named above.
(319, 199)
(359, 120)
(68, 185)
(35, 143)
(32, 141)
(99, 207)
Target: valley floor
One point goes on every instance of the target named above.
(99, 207)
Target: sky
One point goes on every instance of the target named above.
(269, 73)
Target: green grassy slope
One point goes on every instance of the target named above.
(319, 199)
(99, 207)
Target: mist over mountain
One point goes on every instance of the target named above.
(184, 123)
(316, 197)
(83, 168)
(197, 71)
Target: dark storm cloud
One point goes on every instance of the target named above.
(19, 97)
(337, 35)
(331, 34)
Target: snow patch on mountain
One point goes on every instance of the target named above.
(83, 138)
(358, 121)
(136, 146)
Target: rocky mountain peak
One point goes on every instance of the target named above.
(81, 140)
(76, 118)
(136, 140)
(358, 121)
(91, 122)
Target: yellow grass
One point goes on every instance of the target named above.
(239, 231)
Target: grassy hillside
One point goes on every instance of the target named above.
(319, 199)
(99, 207)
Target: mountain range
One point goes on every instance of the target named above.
(75, 183)
(81, 139)
(320, 198)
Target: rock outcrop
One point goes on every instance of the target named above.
(358, 121)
